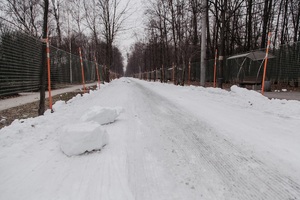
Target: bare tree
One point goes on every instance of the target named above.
(295, 11)
(232, 27)
(43, 65)
(266, 21)
(77, 14)
(112, 17)
(158, 15)
(56, 14)
(92, 19)
(24, 14)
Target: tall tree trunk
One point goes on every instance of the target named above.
(195, 22)
(296, 21)
(284, 25)
(216, 28)
(43, 65)
(265, 24)
(167, 57)
(277, 24)
(249, 26)
(56, 16)
(208, 43)
(173, 23)
(222, 47)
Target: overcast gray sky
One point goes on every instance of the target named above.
(134, 26)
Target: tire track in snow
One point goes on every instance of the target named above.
(147, 176)
(241, 174)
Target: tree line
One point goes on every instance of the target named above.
(174, 29)
(91, 25)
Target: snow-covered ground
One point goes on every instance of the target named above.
(170, 142)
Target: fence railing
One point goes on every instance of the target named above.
(20, 64)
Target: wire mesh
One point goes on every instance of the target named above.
(20, 60)
(20, 64)
(284, 68)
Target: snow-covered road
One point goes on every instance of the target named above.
(170, 143)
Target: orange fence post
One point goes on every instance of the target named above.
(265, 65)
(97, 70)
(82, 70)
(49, 75)
(215, 68)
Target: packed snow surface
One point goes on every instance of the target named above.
(171, 142)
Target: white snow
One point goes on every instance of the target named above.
(76, 139)
(88, 135)
(171, 143)
(101, 115)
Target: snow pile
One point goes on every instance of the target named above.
(253, 99)
(76, 139)
(101, 115)
(87, 135)
(58, 105)
(247, 98)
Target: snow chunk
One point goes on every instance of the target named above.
(102, 115)
(78, 138)
(59, 104)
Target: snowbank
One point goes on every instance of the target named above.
(78, 138)
(101, 115)
(255, 100)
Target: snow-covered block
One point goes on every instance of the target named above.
(82, 137)
(102, 115)
(58, 105)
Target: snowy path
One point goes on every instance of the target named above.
(170, 143)
(30, 97)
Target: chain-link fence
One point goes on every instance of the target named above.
(20, 64)
(65, 68)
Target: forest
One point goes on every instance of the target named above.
(91, 25)
(175, 30)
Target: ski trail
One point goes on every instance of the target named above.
(156, 150)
